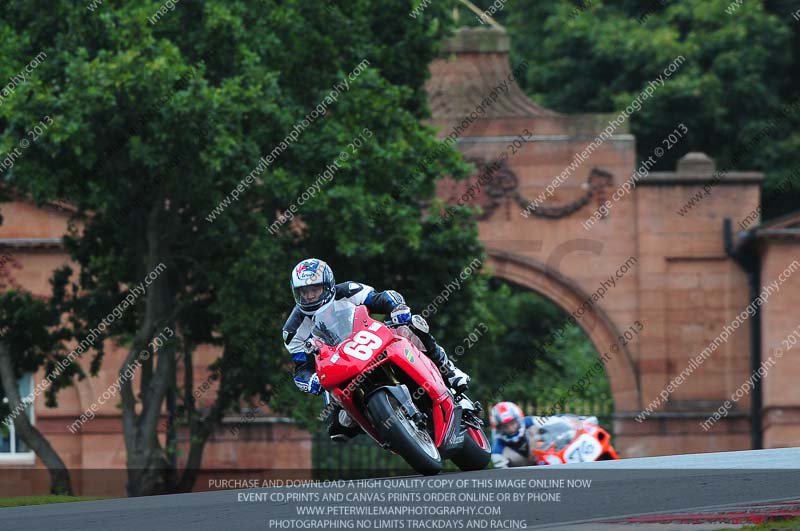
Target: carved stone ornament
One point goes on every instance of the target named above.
(495, 184)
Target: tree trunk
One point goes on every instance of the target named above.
(197, 436)
(200, 429)
(59, 475)
(147, 472)
(146, 459)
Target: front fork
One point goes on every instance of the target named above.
(472, 410)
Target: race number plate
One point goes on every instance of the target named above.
(584, 448)
(364, 343)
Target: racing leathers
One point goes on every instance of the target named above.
(518, 453)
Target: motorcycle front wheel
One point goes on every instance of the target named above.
(402, 434)
(476, 452)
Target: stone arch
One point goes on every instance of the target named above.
(595, 323)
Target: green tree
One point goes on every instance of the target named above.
(740, 72)
(148, 127)
(531, 353)
(504, 355)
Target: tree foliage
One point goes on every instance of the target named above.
(531, 353)
(740, 73)
(151, 125)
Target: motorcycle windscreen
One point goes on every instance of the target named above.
(555, 435)
(334, 324)
(359, 342)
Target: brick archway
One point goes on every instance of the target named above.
(684, 287)
(567, 295)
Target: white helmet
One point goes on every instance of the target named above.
(312, 285)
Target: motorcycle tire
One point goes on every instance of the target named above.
(402, 435)
(472, 456)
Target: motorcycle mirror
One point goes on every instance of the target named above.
(310, 347)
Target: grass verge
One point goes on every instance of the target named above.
(19, 501)
(792, 524)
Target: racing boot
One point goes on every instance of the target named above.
(341, 427)
(458, 379)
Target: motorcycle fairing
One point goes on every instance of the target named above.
(339, 367)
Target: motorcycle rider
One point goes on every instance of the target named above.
(512, 433)
(314, 288)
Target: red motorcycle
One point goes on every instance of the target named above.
(376, 371)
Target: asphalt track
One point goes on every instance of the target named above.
(611, 491)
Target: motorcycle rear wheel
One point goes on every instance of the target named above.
(403, 436)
